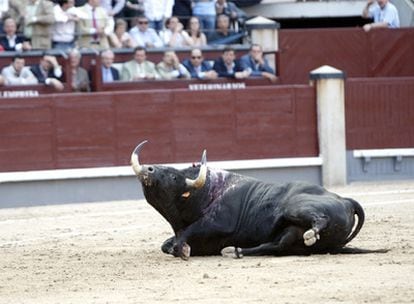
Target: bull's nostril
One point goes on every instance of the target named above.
(150, 169)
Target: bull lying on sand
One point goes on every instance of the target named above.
(214, 211)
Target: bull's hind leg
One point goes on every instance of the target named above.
(288, 242)
(309, 218)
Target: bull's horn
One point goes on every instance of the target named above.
(202, 175)
(135, 160)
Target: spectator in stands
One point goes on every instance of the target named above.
(228, 66)
(145, 36)
(38, 21)
(157, 11)
(122, 38)
(109, 73)
(139, 68)
(64, 28)
(183, 10)
(94, 26)
(17, 73)
(384, 13)
(133, 9)
(171, 68)
(198, 67)
(194, 31)
(79, 76)
(174, 35)
(16, 12)
(49, 72)
(236, 15)
(257, 63)
(205, 10)
(11, 41)
(223, 33)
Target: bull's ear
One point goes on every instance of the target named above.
(186, 194)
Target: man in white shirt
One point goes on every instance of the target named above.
(17, 73)
(64, 28)
(157, 11)
(145, 36)
(384, 13)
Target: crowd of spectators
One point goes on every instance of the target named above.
(105, 25)
(102, 24)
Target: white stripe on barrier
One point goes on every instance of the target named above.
(126, 171)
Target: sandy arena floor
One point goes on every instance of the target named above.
(110, 253)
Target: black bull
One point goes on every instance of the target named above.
(214, 211)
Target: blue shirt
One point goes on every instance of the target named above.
(388, 14)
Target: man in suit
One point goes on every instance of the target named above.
(94, 26)
(257, 63)
(38, 20)
(228, 66)
(109, 73)
(49, 72)
(139, 68)
(11, 41)
(198, 67)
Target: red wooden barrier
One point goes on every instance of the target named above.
(101, 129)
(379, 113)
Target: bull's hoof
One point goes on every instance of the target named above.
(185, 252)
(310, 237)
(232, 252)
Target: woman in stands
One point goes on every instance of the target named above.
(195, 33)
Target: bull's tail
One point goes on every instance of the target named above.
(359, 212)
(356, 250)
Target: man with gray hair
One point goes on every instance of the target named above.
(109, 73)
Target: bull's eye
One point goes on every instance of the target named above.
(150, 169)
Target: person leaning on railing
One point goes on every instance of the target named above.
(255, 62)
(49, 72)
(17, 73)
(384, 13)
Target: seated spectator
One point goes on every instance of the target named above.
(194, 31)
(171, 68)
(198, 67)
(66, 18)
(174, 35)
(17, 73)
(144, 36)
(109, 73)
(94, 26)
(38, 23)
(139, 68)
(236, 15)
(122, 39)
(257, 63)
(228, 66)
(384, 13)
(79, 76)
(223, 33)
(49, 72)
(205, 10)
(11, 41)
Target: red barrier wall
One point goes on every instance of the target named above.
(101, 129)
(379, 53)
(379, 113)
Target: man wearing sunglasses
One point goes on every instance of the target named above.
(143, 35)
(198, 67)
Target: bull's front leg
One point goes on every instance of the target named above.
(200, 230)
